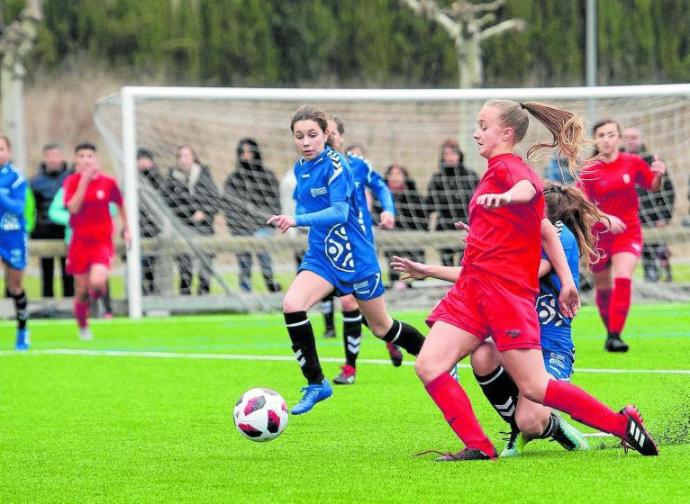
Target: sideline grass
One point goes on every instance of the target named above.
(79, 428)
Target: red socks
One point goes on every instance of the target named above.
(81, 312)
(457, 410)
(620, 304)
(603, 300)
(584, 408)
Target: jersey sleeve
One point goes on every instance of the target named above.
(340, 184)
(378, 186)
(13, 198)
(644, 176)
(115, 193)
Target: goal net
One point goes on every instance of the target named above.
(224, 159)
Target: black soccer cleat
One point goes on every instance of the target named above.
(395, 354)
(465, 454)
(636, 436)
(615, 345)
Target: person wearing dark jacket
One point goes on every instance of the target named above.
(656, 210)
(193, 197)
(52, 171)
(449, 193)
(149, 228)
(250, 196)
(410, 215)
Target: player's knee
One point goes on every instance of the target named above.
(483, 360)
(291, 305)
(427, 369)
(531, 423)
(349, 303)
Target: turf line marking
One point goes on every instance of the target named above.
(281, 358)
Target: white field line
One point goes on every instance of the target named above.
(281, 358)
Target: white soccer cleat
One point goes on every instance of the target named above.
(85, 334)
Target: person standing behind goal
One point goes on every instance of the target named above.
(87, 195)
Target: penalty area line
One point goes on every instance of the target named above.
(279, 358)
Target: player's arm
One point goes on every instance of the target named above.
(13, 199)
(568, 298)
(522, 192)
(76, 200)
(378, 186)
(658, 168)
(544, 267)
(419, 271)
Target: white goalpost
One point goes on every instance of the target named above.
(394, 126)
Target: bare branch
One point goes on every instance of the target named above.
(485, 7)
(517, 25)
(486, 19)
(431, 10)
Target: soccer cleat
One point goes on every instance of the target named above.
(454, 373)
(330, 333)
(22, 340)
(464, 454)
(85, 334)
(568, 436)
(313, 393)
(395, 354)
(516, 443)
(636, 436)
(346, 376)
(615, 345)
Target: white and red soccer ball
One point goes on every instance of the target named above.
(260, 414)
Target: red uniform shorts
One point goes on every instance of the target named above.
(609, 244)
(82, 254)
(483, 307)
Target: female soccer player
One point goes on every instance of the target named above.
(364, 176)
(88, 194)
(13, 237)
(492, 298)
(339, 255)
(571, 213)
(610, 185)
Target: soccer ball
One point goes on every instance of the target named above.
(260, 414)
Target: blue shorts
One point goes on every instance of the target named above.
(558, 364)
(368, 287)
(13, 249)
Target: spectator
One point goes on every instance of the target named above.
(656, 210)
(149, 228)
(410, 215)
(52, 171)
(557, 169)
(449, 194)
(193, 197)
(250, 197)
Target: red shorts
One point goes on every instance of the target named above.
(82, 254)
(609, 244)
(483, 307)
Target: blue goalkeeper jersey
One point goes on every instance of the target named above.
(556, 333)
(366, 177)
(338, 246)
(12, 221)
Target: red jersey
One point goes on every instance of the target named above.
(611, 186)
(506, 242)
(93, 221)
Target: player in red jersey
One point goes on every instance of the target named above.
(492, 298)
(610, 185)
(88, 194)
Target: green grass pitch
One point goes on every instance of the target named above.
(150, 421)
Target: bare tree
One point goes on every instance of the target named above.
(468, 25)
(16, 41)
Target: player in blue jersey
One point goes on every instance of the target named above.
(573, 216)
(365, 178)
(340, 255)
(13, 239)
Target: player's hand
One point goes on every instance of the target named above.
(494, 200)
(615, 225)
(90, 171)
(127, 237)
(387, 220)
(409, 269)
(282, 222)
(461, 226)
(658, 166)
(569, 299)
(198, 216)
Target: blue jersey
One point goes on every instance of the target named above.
(12, 221)
(366, 177)
(338, 247)
(556, 334)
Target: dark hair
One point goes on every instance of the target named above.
(51, 146)
(604, 121)
(310, 113)
(450, 143)
(570, 206)
(393, 167)
(85, 146)
(7, 140)
(339, 123)
(253, 146)
(144, 153)
(566, 128)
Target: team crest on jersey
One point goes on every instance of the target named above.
(626, 178)
(100, 194)
(10, 222)
(339, 249)
(548, 311)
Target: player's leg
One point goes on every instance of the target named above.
(623, 266)
(306, 290)
(526, 366)
(444, 346)
(328, 311)
(386, 328)
(81, 304)
(13, 279)
(98, 284)
(601, 277)
(352, 339)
